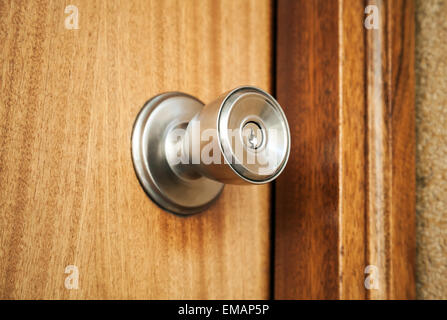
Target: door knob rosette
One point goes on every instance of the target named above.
(184, 151)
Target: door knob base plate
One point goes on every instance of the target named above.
(169, 190)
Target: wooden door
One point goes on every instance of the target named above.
(68, 191)
(69, 196)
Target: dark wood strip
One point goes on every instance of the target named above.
(346, 199)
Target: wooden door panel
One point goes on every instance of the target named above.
(69, 195)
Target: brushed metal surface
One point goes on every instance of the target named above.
(184, 152)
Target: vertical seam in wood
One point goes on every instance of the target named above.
(388, 118)
(274, 43)
(366, 150)
(340, 148)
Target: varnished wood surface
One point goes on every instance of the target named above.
(400, 88)
(346, 198)
(69, 195)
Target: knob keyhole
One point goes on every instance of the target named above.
(252, 139)
(252, 135)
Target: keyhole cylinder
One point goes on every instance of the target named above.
(242, 137)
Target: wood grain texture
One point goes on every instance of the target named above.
(69, 195)
(349, 99)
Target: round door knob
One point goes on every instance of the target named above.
(184, 151)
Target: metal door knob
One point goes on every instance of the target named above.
(184, 151)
